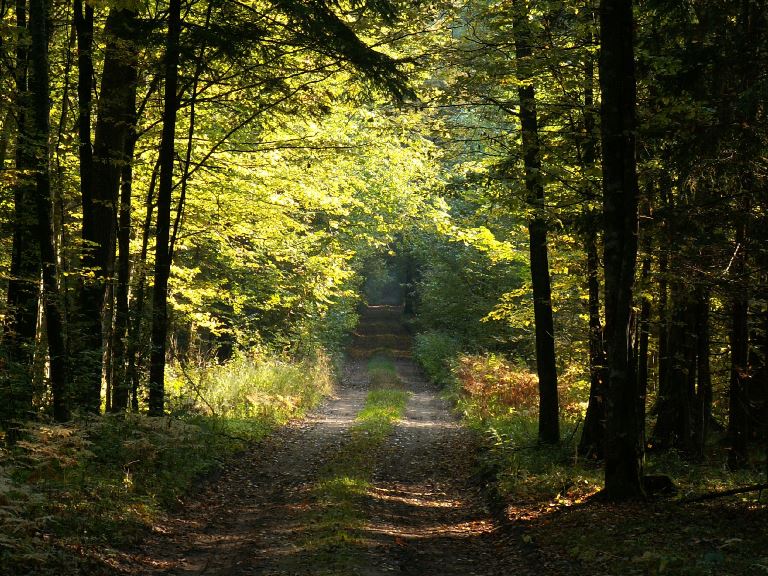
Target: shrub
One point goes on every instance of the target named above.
(435, 352)
(260, 386)
(496, 385)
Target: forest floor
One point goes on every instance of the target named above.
(326, 496)
(422, 511)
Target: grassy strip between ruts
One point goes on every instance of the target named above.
(335, 537)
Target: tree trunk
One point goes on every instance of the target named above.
(137, 312)
(644, 321)
(549, 418)
(121, 383)
(738, 409)
(624, 448)
(674, 424)
(704, 388)
(20, 326)
(162, 230)
(40, 89)
(117, 109)
(592, 443)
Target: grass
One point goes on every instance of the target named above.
(69, 493)
(345, 481)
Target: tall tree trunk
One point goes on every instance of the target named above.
(663, 322)
(137, 312)
(624, 448)
(121, 383)
(644, 321)
(20, 325)
(117, 110)
(592, 443)
(83, 21)
(738, 409)
(549, 417)
(162, 230)
(704, 387)
(40, 89)
(674, 424)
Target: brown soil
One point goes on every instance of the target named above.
(424, 513)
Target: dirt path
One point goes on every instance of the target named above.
(423, 515)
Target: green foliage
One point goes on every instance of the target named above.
(101, 481)
(267, 388)
(436, 352)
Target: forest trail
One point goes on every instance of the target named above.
(421, 513)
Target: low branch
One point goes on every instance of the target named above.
(724, 493)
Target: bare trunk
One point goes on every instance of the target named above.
(40, 88)
(549, 418)
(162, 230)
(624, 447)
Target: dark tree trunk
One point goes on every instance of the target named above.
(84, 30)
(162, 230)
(117, 109)
(549, 418)
(704, 374)
(121, 383)
(644, 321)
(674, 423)
(137, 312)
(40, 88)
(624, 448)
(20, 325)
(738, 409)
(663, 321)
(592, 443)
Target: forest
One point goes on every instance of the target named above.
(342, 287)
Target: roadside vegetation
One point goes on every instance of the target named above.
(71, 492)
(552, 491)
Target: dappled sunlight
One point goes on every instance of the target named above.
(418, 499)
(468, 529)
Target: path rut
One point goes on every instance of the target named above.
(424, 515)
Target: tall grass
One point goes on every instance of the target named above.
(69, 492)
(266, 388)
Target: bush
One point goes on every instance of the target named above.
(435, 352)
(496, 385)
(257, 386)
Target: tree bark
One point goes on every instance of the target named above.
(40, 89)
(704, 387)
(20, 326)
(162, 230)
(624, 448)
(117, 110)
(549, 417)
(592, 443)
(738, 409)
(121, 383)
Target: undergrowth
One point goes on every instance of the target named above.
(70, 492)
(541, 485)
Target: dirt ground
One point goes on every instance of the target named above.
(425, 512)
